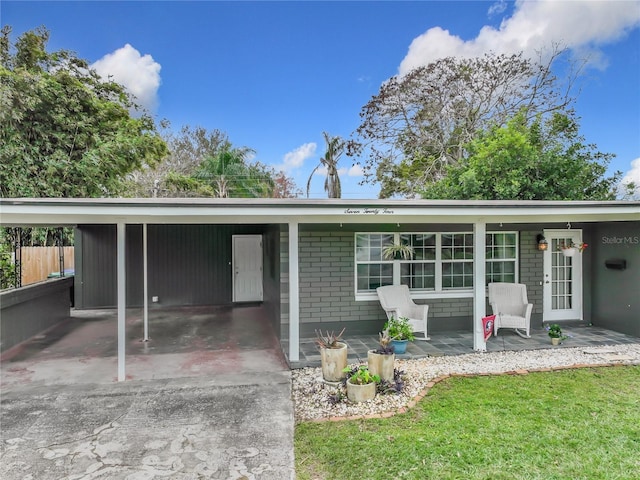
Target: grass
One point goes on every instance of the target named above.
(568, 424)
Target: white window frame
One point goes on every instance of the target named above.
(516, 260)
(438, 292)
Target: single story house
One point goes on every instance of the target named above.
(316, 263)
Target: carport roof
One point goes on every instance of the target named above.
(73, 211)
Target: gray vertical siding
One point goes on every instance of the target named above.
(188, 264)
(616, 293)
(271, 275)
(96, 274)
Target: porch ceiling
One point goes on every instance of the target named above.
(18, 212)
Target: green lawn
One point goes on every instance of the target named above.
(569, 424)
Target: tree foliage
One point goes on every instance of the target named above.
(7, 265)
(538, 159)
(203, 163)
(228, 174)
(419, 124)
(335, 147)
(64, 131)
(284, 186)
(173, 175)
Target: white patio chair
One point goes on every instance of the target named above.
(396, 302)
(511, 307)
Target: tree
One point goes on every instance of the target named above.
(284, 187)
(64, 131)
(629, 191)
(539, 159)
(173, 175)
(7, 265)
(335, 147)
(419, 124)
(228, 174)
(190, 166)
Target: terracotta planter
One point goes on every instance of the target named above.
(382, 365)
(334, 361)
(400, 346)
(360, 393)
(555, 341)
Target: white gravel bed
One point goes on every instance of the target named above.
(311, 394)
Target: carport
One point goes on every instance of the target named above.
(122, 228)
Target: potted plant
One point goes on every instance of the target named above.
(555, 332)
(361, 384)
(570, 249)
(401, 333)
(381, 360)
(333, 355)
(397, 250)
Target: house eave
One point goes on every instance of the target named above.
(67, 211)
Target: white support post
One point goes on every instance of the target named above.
(122, 300)
(479, 288)
(145, 286)
(294, 294)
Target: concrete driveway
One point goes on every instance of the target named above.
(208, 397)
(221, 427)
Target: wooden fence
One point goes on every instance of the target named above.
(39, 262)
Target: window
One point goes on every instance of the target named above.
(457, 260)
(441, 262)
(372, 270)
(502, 255)
(419, 272)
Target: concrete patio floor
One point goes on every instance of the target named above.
(461, 342)
(183, 342)
(193, 341)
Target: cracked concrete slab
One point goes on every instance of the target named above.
(222, 427)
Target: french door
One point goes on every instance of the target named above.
(562, 287)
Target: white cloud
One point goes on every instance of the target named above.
(633, 175)
(497, 8)
(140, 74)
(355, 171)
(534, 26)
(295, 158)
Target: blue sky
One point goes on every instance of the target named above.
(275, 75)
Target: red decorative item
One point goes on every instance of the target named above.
(487, 326)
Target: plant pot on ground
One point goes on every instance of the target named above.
(555, 333)
(361, 384)
(401, 332)
(381, 360)
(333, 355)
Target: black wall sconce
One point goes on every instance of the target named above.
(542, 243)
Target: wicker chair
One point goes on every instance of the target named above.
(396, 302)
(511, 307)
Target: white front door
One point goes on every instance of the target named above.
(562, 287)
(247, 268)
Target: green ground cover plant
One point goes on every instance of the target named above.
(568, 424)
